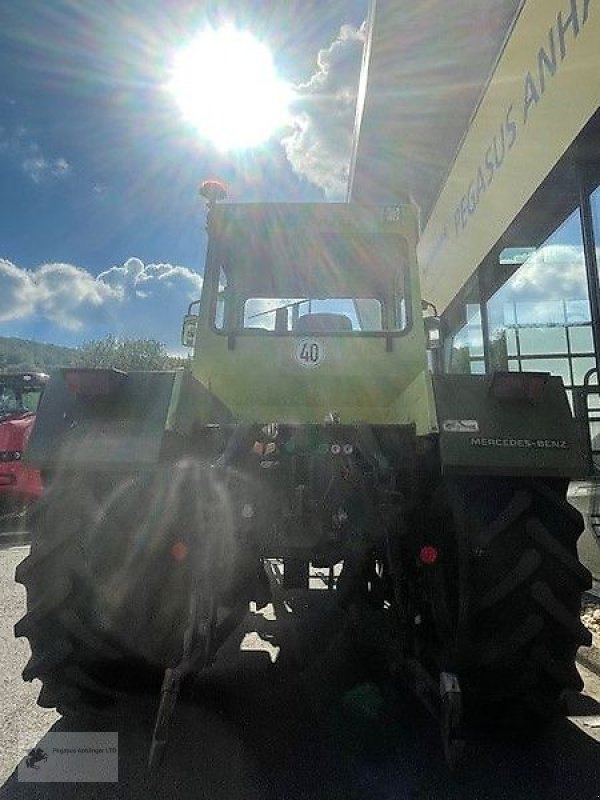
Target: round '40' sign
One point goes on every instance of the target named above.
(309, 352)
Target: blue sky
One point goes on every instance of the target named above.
(100, 223)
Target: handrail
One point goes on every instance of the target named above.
(191, 305)
(584, 417)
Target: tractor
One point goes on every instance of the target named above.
(309, 434)
(20, 484)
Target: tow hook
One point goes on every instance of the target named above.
(451, 710)
(197, 651)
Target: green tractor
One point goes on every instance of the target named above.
(309, 435)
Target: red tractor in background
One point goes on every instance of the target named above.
(20, 484)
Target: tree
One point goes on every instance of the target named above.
(125, 354)
(499, 351)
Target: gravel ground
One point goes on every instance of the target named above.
(263, 742)
(590, 617)
(19, 714)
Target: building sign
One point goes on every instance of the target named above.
(544, 89)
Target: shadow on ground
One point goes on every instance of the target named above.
(263, 731)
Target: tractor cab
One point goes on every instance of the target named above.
(20, 393)
(309, 309)
(20, 483)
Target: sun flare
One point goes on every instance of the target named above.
(227, 87)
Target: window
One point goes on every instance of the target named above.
(539, 319)
(222, 289)
(464, 350)
(330, 314)
(328, 282)
(17, 402)
(463, 333)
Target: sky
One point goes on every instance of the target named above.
(101, 227)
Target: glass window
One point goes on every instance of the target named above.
(578, 312)
(539, 341)
(580, 367)
(221, 298)
(511, 341)
(327, 315)
(595, 204)
(555, 366)
(31, 400)
(581, 339)
(541, 313)
(465, 346)
(17, 401)
(329, 282)
(10, 401)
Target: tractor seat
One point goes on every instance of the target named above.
(322, 323)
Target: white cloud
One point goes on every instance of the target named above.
(70, 297)
(39, 168)
(552, 283)
(319, 143)
(151, 280)
(28, 153)
(135, 299)
(556, 270)
(16, 292)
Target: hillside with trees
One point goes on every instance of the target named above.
(23, 354)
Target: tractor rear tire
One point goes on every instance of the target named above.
(108, 580)
(517, 609)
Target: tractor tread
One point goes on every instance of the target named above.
(563, 674)
(561, 505)
(53, 655)
(81, 679)
(539, 533)
(45, 605)
(63, 698)
(516, 609)
(546, 598)
(72, 623)
(517, 506)
(526, 566)
(500, 651)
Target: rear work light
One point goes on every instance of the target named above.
(519, 385)
(90, 382)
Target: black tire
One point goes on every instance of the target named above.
(517, 596)
(108, 579)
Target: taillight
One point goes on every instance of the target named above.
(519, 385)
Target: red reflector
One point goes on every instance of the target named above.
(90, 382)
(428, 554)
(179, 551)
(518, 385)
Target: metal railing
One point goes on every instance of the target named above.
(588, 417)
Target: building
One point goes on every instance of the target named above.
(488, 117)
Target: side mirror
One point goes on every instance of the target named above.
(433, 334)
(188, 330)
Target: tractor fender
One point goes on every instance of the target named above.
(508, 423)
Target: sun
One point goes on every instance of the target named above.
(227, 87)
